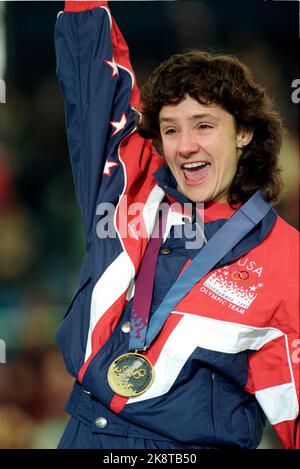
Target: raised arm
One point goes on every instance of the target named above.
(100, 93)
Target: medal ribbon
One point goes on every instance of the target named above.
(144, 287)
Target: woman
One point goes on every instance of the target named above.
(223, 357)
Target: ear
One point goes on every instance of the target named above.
(244, 137)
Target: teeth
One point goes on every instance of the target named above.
(193, 165)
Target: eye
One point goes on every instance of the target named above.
(170, 131)
(205, 126)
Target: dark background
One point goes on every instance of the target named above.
(41, 237)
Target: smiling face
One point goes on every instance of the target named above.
(202, 148)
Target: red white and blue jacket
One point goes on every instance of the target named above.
(228, 355)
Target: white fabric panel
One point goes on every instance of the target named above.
(110, 286)
(279, 403)
(196, 331)
(151, 207)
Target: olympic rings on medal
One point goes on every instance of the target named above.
(136, 373)
(130, 375)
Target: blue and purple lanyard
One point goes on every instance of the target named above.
(141, 305)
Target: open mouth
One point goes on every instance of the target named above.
(195, 172)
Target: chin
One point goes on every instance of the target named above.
(196, 195)
(200, 200)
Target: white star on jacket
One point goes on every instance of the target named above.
(114, 67)
(119, 125)
(108, 166)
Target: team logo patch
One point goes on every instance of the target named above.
(236, 285)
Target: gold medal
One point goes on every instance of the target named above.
(130, 375)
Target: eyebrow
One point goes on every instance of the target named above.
(193, 117)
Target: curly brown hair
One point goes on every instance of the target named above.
(225, 81)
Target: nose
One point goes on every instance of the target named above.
(187, 145)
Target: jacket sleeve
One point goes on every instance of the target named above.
(100, 94)
(274, 379)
